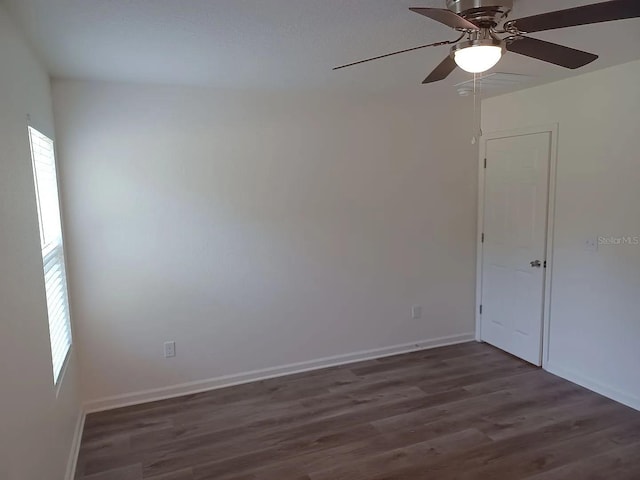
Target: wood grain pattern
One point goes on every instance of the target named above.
(462, 412)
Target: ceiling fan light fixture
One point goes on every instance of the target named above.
(478, 59)
(478, 56)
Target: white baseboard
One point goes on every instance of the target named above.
(173, 391)
(594, 385)
(75, 447)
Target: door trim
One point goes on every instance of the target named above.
(553, 129)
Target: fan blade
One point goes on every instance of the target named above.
(437, 44)
(550, 52)
(445, 16)
(572, 17)
(442, 71)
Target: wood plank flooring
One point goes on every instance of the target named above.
(461, 412)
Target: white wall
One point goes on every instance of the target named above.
(36, 426)
(595, 303)
(260, 229)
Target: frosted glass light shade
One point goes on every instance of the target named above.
(478, 58)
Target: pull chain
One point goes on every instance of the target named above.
(477, 119)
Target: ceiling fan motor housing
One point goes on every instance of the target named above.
(481, 12)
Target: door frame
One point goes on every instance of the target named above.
(553, 129)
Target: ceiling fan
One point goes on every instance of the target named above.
(480, 47)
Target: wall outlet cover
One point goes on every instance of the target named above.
(169, 349)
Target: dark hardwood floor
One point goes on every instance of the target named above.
(460, 412)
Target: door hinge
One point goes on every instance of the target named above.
(480, 309)
(485, 163)
(482, 238)
(545, 264)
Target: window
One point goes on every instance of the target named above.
(44, 172)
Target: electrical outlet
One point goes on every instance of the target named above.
(591, 244)
(416, 312)
(169, 349)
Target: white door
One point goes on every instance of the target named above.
(514, 247)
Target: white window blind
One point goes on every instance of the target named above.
(44, 172)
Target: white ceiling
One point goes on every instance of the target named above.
(276, 43)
